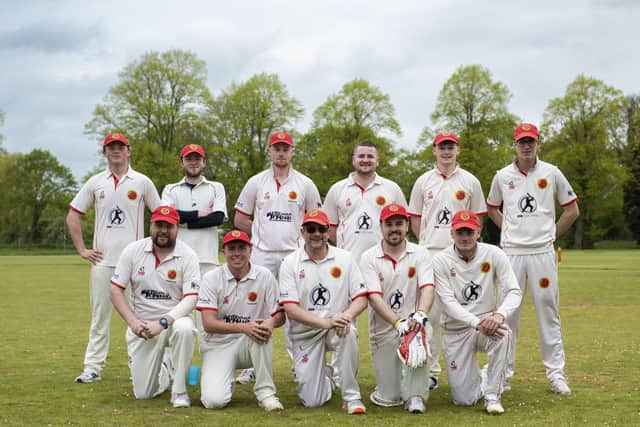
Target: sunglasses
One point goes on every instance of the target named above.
(312, 228)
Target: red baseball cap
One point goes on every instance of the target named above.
(234, 235)
(317, 216)
(442, 137)
(393, 210)
(112, 137)
(526, 130)
(465, 219)
(280, 137)
(166, 214)
(192, 148)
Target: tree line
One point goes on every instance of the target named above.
(161, 102)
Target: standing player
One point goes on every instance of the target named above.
(436, 196)
(399, 277)
(164, 277)
(239, 305)
(118, 196)
(353, 204)
(277, 198)
(471, 278)
(202, 206)
(322, 292)
(527, 189)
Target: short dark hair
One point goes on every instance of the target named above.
(364, 143)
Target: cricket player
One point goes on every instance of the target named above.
(479, 291)
(353, 204)
(164, 276)
(239, 305)
(118, 196)
(528, 189)
(322, 292)
(399, 277)
(435, 197)
(270, 208)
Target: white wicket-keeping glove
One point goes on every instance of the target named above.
(420, 317)
(402, 326)
(413, 350)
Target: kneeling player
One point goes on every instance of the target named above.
(471, 278)
(399, 277)
(239, 305)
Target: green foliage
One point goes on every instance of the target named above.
(582, 129)
(631, 158)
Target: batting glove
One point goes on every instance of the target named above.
(420, 317)
(402, 326)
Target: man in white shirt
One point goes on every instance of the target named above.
(399, 277)
(164, 277)
(322, 292)
(435, 197)
(479, 291)
(239, 305)
(118, 196)
(528, 189)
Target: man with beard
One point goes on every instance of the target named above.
(399, 277)
(118, 196)
(164, 277)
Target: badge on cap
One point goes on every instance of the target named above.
(235, 233)
(165, 211)
(464, 216)
(313, 214)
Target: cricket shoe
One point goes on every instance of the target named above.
(271, 403)
(560, 386)
(493, 407)
(379, 401)
(415, 405)
(247, 376)
(180, 400)
(433, 383)
(88, 376)
(354, 407)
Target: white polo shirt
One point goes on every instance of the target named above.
(255, 296)
(156, 287)
(206, 194)
(119, 210)
(355, 211)
(323, 288)
(436, 198)
(277, 208)
(528, 198)
(471, 288)
(397, 281)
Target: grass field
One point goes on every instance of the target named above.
(45, 317)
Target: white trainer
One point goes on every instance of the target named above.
(493, 407)
(271, 403)
(180, 400)
(415, 405)
(88, 376)
(560, 386)
(354, 407)
(433, 383)
(247, 376)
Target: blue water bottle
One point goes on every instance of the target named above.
(194, 375)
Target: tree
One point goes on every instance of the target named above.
(159, 103)
(631, 159)
(358, 112)
(582, 131)
(37, 188)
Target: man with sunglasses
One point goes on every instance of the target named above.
(479, 292)
(322, 292)
(528, 189)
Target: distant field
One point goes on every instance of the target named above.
(46, 318)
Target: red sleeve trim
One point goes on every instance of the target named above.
(118, 285)
(374, 293)
(569, 202)
(242, 212)
(483, 213)
(426, 285)
(492, 205)
(364, 294)
(190, 293)
(76, 210)
(289, 302)
(415, 215)
(277, 311)
(206, 308)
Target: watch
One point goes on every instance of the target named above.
(164, 322)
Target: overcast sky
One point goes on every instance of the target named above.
(59, 58)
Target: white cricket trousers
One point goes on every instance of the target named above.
(540, 272)
(219, 362)
(313, 376)
(95, 356)
(463, 372)
(395, 382)
(146, 357)
(435, 339)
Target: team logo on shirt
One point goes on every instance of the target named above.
(101, 196)
(380, 277)
(132, 195)
(252, 297)
(453, 365)
(320, 295)
(471, 292)
(443, 217)
(293, 195)
(116, 217)
(348, 203)
(225, 300)
(141, 271)
(267, 196)
(395, 301)
(485, 267)
(430, 195)
(511, 185)
(364, 222)
(172, 274)
(544, 283)
(336, 272)
(543, 183)
(412, 272)
(461, 195)
(301, 275)
(527, 204)
(452, 272)
(381, 201)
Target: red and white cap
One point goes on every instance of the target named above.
(234, 235)
(442, 137)
(113, 137)
(465, 219)
(526, 130)
(317, 216)
(393, 210)
(166, 214)
(283, 137)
